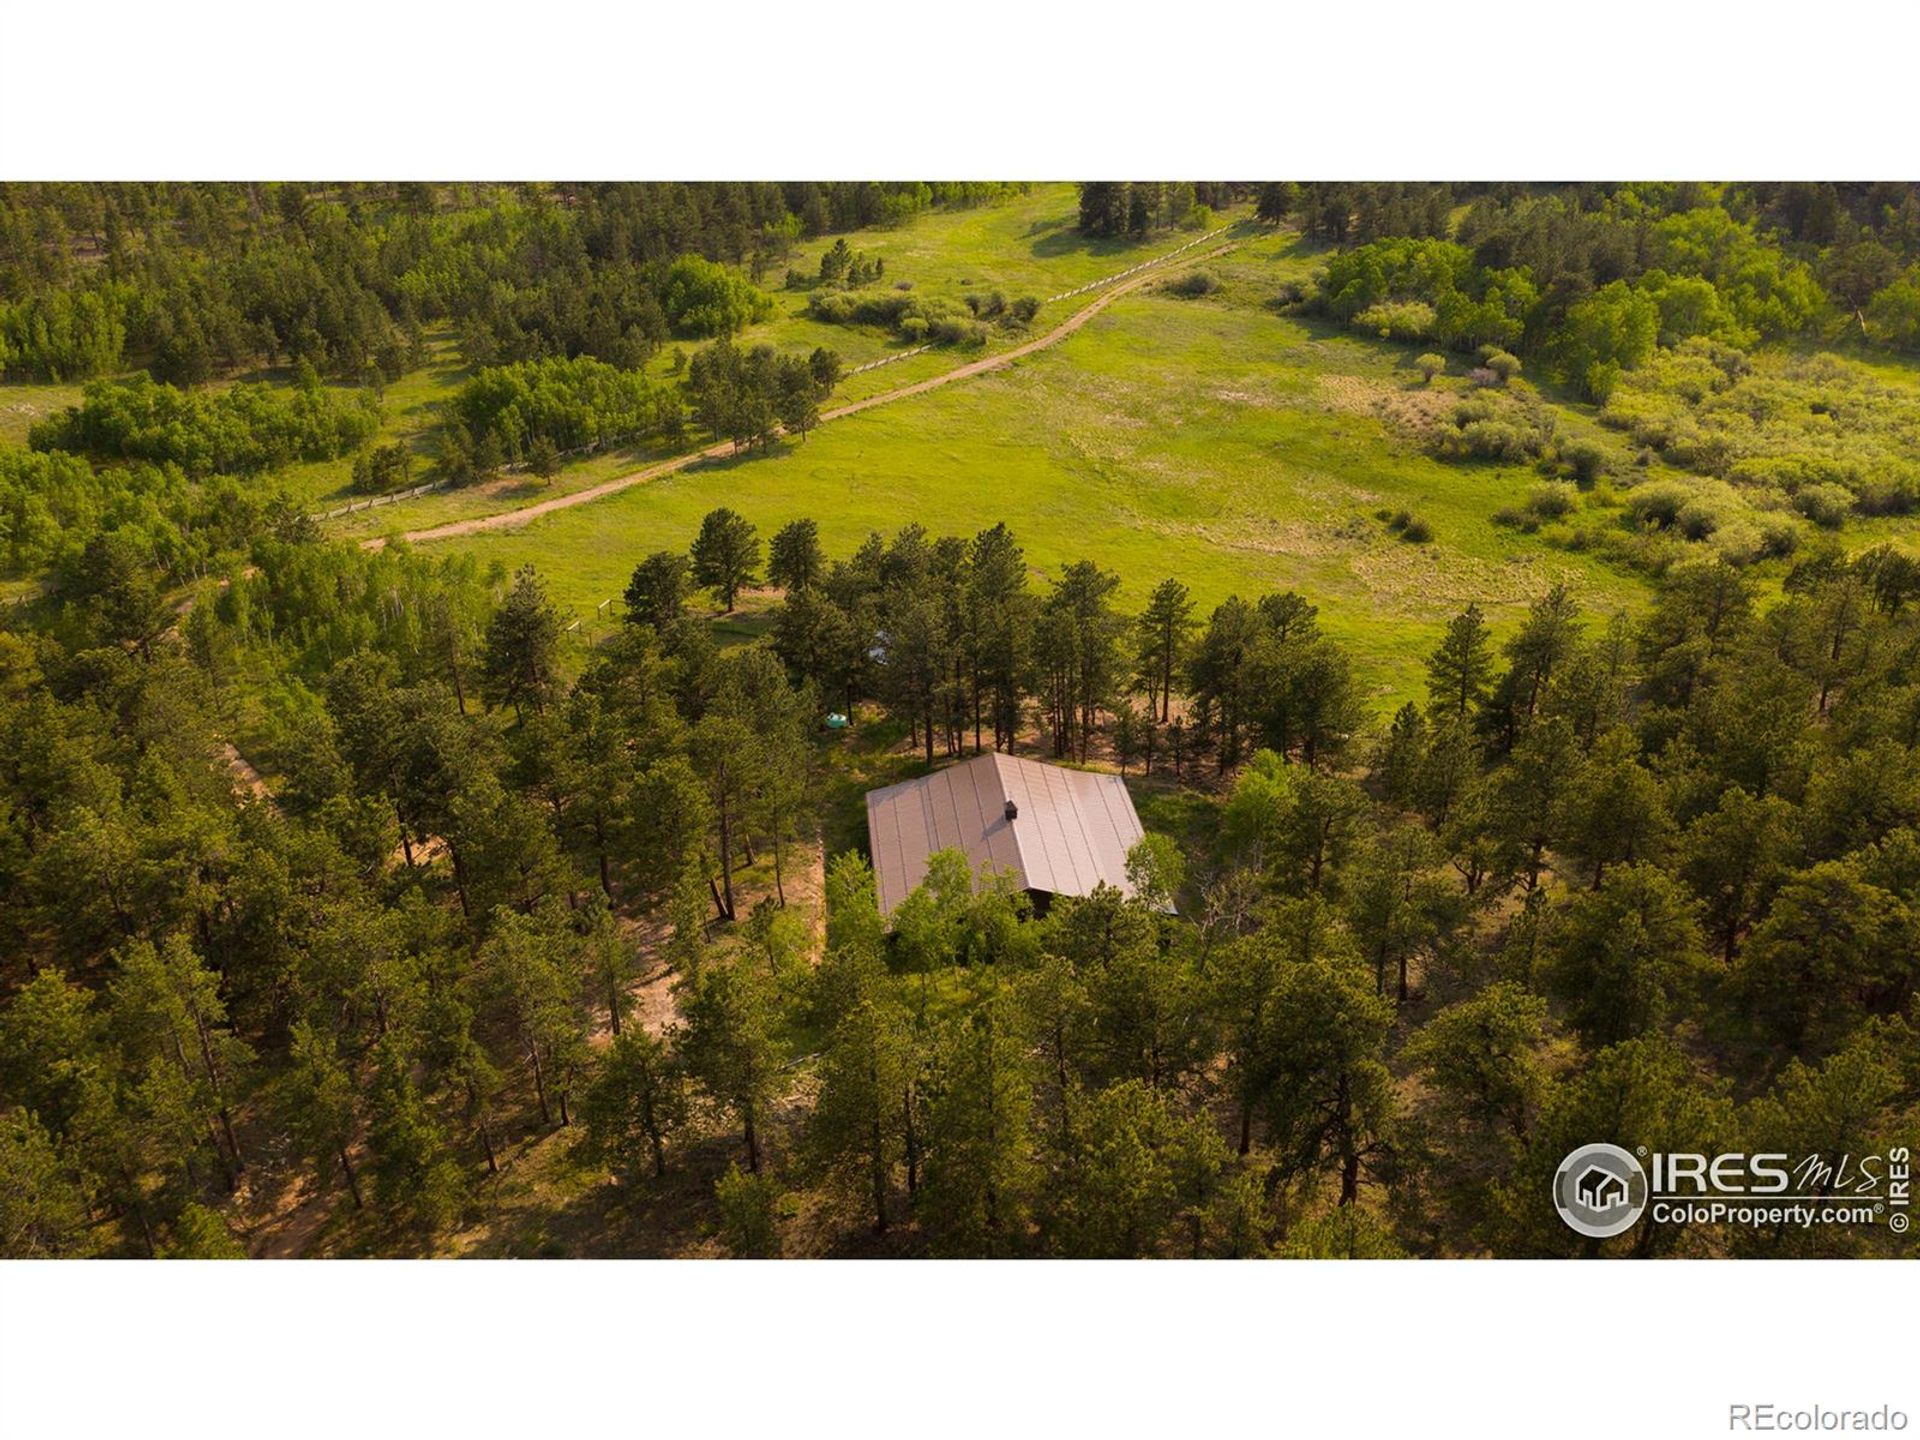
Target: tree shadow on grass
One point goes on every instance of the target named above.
(1068, 241)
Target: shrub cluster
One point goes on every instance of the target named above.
(245, 430)
(1194, 284)
(1784, 427)
(1488, 425)
(1407, 525)
(917, 318)
(703, 298)
(382, 468)
(571, 404)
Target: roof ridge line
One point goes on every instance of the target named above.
(1006, 797)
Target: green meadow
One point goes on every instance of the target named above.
(1216, 438)
(1027, 243)
(1210, 439)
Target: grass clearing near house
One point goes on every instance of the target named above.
(1205, 440)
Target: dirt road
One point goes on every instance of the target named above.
(525, 515)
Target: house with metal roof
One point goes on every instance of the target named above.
(1059, 831)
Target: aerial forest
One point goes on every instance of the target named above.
(361, 896)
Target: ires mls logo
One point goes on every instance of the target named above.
(1600, 1190)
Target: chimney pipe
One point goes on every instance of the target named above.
(1013, 812)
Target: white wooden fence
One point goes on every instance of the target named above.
(353, 507)
(1136, 269)
(887, 360)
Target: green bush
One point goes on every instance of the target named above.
(953, 330)
(381, 469)
(702, 298)
(1194, 284)
(1402, 320)
(1496, 440)
(1825, 505)
(1587, 459)
(1657, 503)
(1779, 536)
(1503, 365)
(1488, 425)
(1699, 518)
(1554, 500)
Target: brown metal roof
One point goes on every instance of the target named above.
(1072, 832)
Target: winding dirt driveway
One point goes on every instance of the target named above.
(527, 514)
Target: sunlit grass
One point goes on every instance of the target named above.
(1216, 442)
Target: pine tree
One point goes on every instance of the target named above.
(414, 1176)
(657, 593)
(319, 1101)
(729, 1044)
(794, 561)
(523, 642)
(635, 1104)
(857, 1127)
(43, 1210)
(726, 555)
(1460, 672)
(746, 1201)
(981, 1172)
(1164, 630)
(530, 977)
(1622, 958)
(167, 1006)
(1330, 1101)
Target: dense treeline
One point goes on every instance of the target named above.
(1591, 279)
(197, 281)
(1654, 881)
(751, 397)
(178, 476)
(1133, 208)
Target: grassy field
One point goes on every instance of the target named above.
(21, 406)
(1025, 245)
(1209, 439)
(1216, 439)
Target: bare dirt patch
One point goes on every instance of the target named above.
(1417, 411)
(1413, 579)
(244, 773)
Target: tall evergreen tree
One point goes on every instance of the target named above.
(1164, 629)
(726, 555)
(523, 647)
